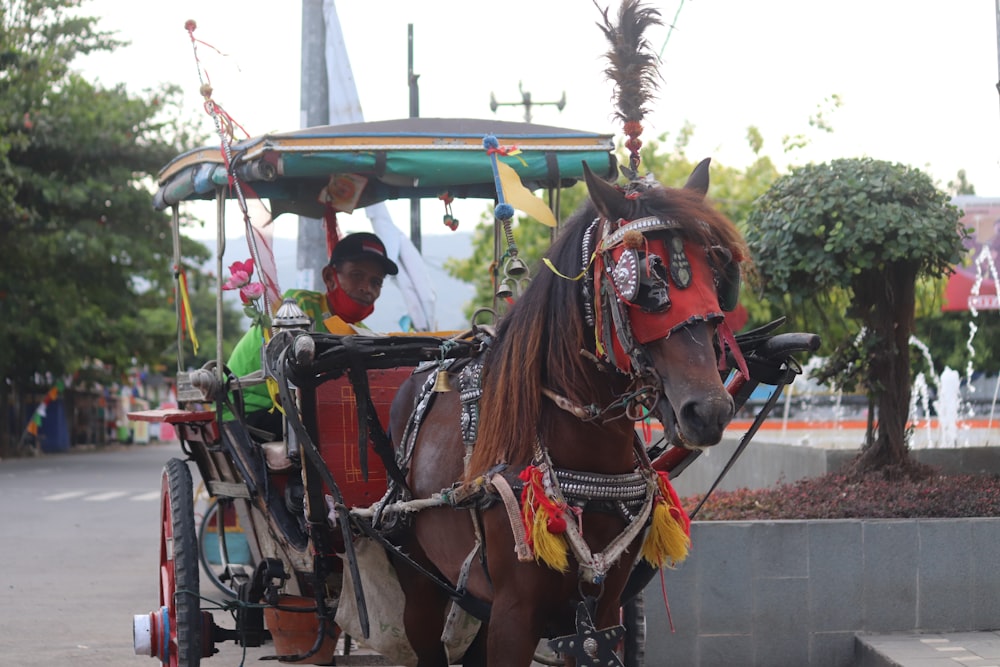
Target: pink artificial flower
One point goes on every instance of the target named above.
(239, 274)
(251, 292)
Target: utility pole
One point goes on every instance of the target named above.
(997, 12)
(314, 109)
(415, 113)
(527, 102)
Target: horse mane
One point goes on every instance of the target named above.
(538, 342)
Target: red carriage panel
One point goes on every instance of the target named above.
(337, 421)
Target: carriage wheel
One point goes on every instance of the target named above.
(180, 641)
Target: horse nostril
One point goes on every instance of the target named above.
(709, 416)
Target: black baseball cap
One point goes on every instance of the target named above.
(363, 245)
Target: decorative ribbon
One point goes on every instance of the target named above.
(186, 315)
(40, 412)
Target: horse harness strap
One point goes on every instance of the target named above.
(637, 484)
(630, 404)
(513, 507)
(583, 413)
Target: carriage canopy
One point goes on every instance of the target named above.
(396, 159)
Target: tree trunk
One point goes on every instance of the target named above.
(890, 319)
(5, 425)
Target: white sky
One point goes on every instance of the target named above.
(917, 78)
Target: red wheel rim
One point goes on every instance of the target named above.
(168, 583)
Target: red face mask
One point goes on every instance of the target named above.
(345, 307)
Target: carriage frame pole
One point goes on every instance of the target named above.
(220, 240)
(175, 234)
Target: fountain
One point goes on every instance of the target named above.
(941, 416)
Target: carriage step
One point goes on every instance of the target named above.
(193, 426)
(173, 416)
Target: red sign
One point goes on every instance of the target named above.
(982, 216)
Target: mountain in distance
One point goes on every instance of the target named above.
(452, 294)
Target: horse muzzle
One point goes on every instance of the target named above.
(699, 422)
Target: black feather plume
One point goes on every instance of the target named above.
(632, 64)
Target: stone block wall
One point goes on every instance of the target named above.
(772, 593)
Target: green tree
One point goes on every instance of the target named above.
(855, 236)
(86, 258)
(961, 185)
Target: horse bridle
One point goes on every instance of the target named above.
(638, 277)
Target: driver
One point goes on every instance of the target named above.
(353, 279)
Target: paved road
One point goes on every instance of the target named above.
(79, 547)
(79, 552)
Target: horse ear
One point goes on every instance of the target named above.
(698, 180)
(607, 198)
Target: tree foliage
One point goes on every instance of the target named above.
(87, 261)
(851, 239)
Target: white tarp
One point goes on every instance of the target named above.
(413, 280)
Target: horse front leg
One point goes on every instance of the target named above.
(423, 615)
(423, 610)
(513, 633)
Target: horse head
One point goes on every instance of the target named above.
(665, 270)
(655, 270)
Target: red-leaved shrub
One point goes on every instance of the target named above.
(872, 496)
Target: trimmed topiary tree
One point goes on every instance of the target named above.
(859, 232)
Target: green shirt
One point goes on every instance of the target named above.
(246, 356)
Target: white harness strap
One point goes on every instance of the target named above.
(513, 507)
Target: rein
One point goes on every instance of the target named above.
(630, 405)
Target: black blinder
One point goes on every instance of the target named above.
(727, 279)
(654, 293)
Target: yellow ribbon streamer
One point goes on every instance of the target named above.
(522, 198)
(186, 305)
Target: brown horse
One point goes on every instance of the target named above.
(573, 363)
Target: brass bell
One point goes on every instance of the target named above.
(505, 290)
(441, 384)
(515, 267)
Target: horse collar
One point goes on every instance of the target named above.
(544, 493)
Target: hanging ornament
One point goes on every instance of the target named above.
(450, 221)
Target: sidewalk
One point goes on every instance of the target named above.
(968, 649)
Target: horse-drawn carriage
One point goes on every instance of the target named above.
(459, 497)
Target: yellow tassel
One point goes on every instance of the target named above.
(549, 549)
(666, 542)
